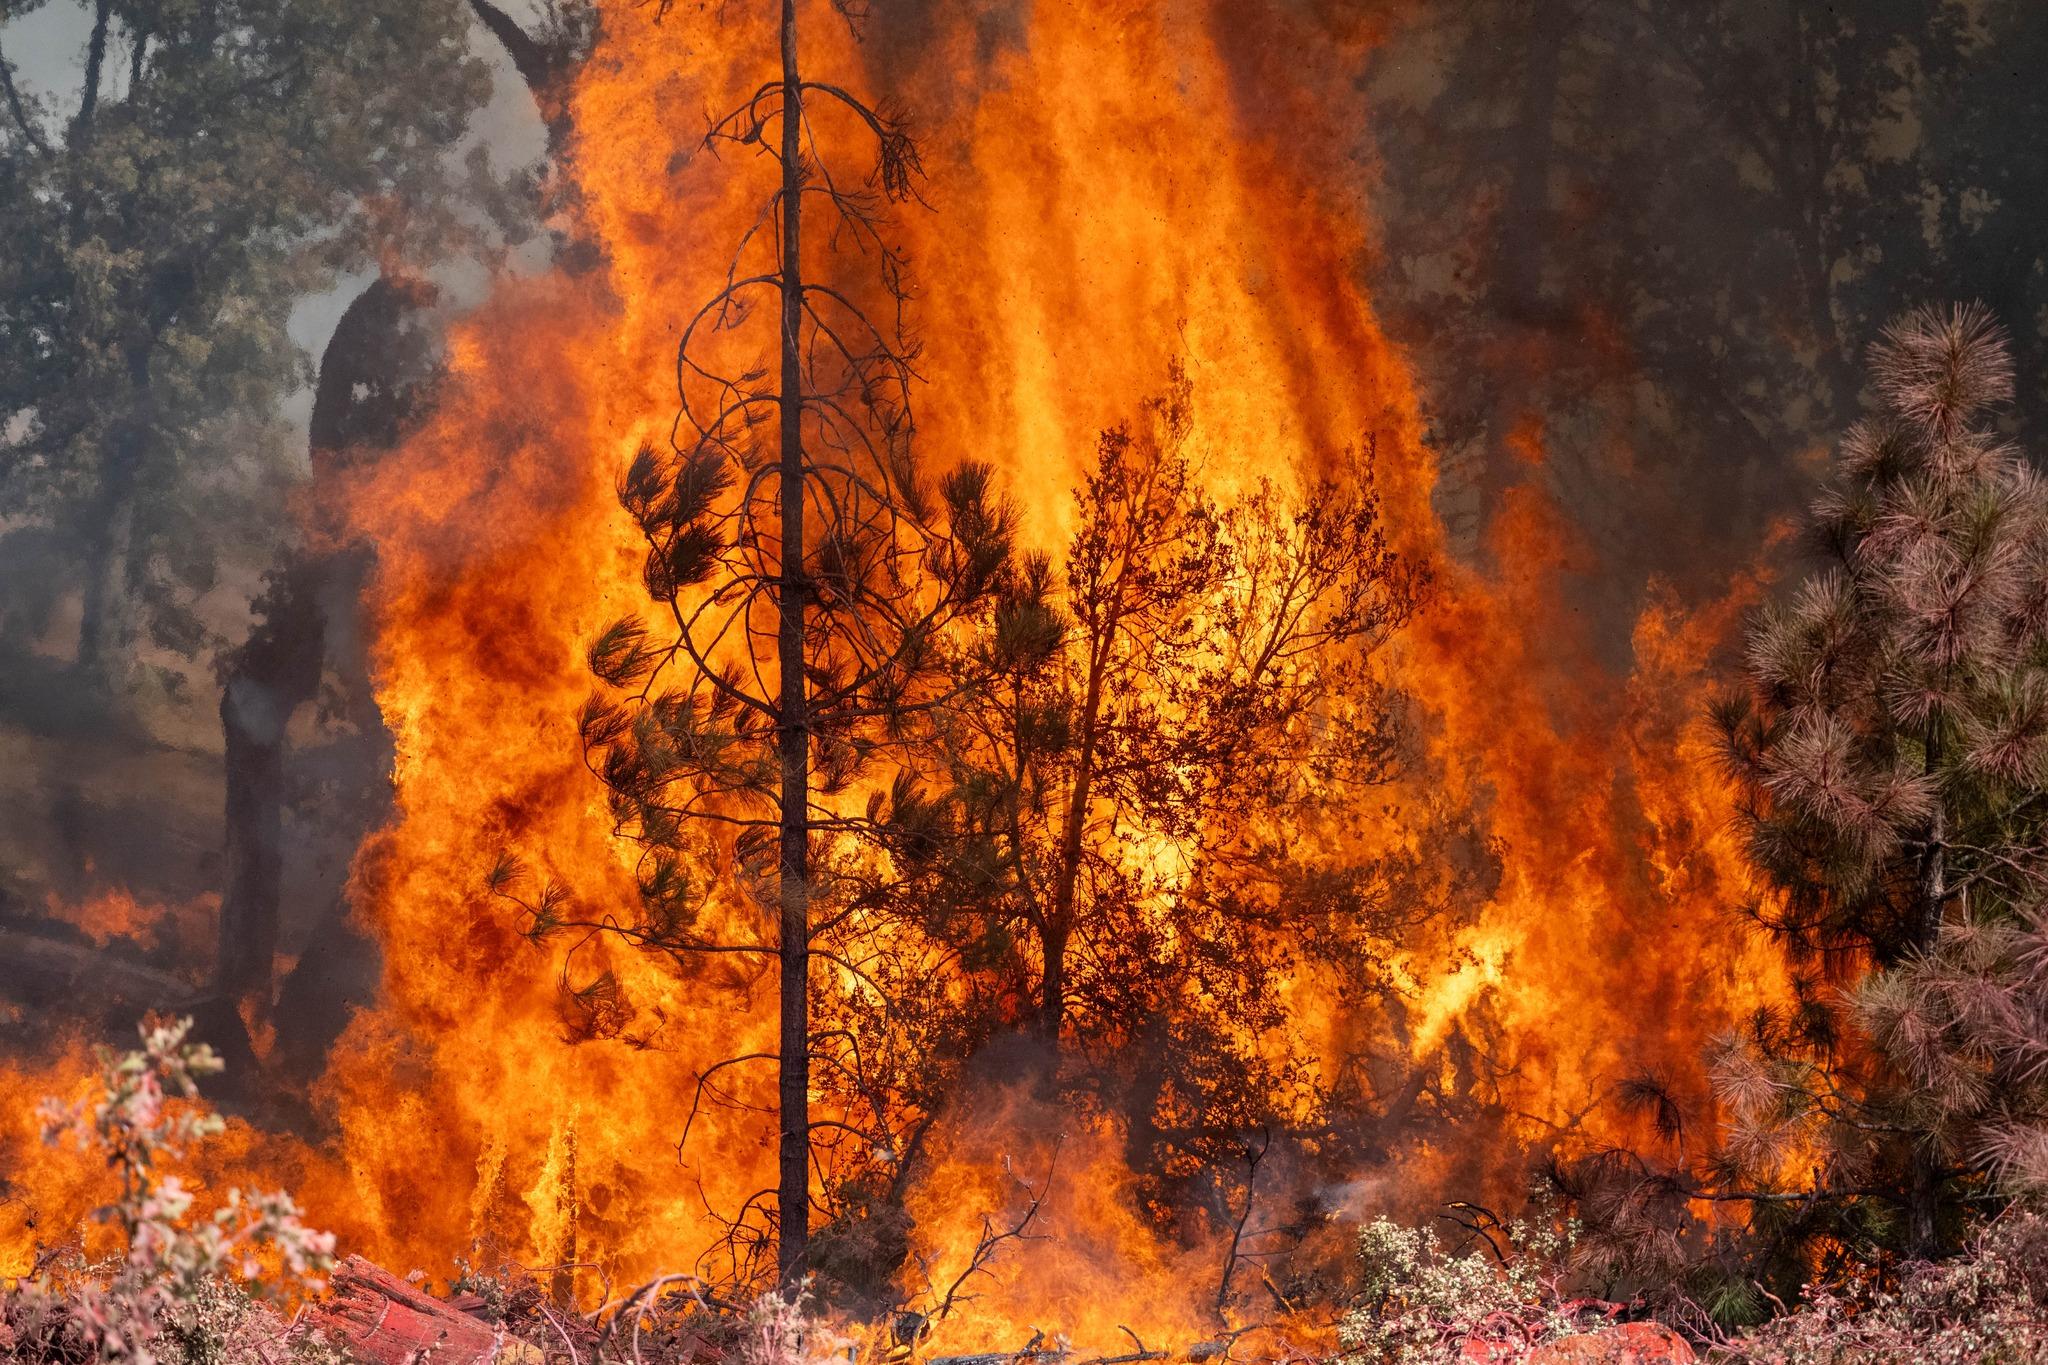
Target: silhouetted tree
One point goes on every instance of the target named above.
(161, 228)
(805, 575)
(373, 378)
(1144, 822)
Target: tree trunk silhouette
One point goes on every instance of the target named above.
(359, 404)
(544, 67)
(362, 399)
(793, 1193)
(109, 622)
(850, 572)
(1059, 927)
(275, 672)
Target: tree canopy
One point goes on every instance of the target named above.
(214, 165)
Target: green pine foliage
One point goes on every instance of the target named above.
(216, 165)
(1892, 756)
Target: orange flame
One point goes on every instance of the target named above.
(1106, 197)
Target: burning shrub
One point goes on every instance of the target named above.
(781, 1331)
(173, 1295)
(1988, 1304)
(1419, 1302)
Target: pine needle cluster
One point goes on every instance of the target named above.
(1891, 751)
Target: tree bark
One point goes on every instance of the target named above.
(793, 1190)
(1052, 989)
(252, 720)
(1923, 1176)
(109, 624)
(274, 672)
(386, 1321)
(95, 61)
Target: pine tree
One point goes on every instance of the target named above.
(215, 164)
(805, 577)
(1891, 751)
(1120, 840)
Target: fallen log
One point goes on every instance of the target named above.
(49, 971)
(382, 1320)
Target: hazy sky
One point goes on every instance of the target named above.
(47, 49)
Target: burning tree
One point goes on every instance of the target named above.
(1127, 846)
(806, 575)
(1891, 758)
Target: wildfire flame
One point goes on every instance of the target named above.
(1113, 186)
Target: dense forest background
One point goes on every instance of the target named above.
(1654, 240)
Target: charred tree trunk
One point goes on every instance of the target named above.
(359, 404)
(272, 674)
(1052, 987)
(252, 719)
(1058, 931)
(793, 1190)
